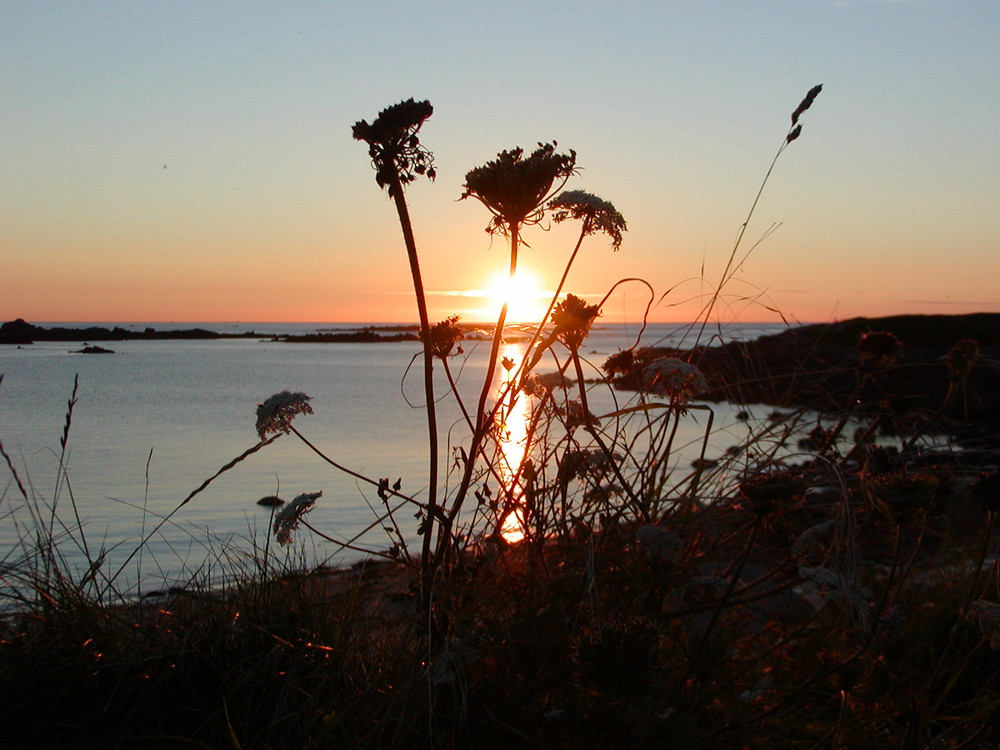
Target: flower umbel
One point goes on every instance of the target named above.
(443, 336)
(619, 363)
(287, 519)
(962, 357)
(394, 146)
(597, 215)
(514, 187)
(277, 412)
(878, 351)
(572, 319)
(669, 376)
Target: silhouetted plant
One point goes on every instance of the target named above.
(515, 187)
(398, 158)
(393, 144)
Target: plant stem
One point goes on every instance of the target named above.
(482, 423)
(432, 432)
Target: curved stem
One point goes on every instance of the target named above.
(639, 505)
(525, 367)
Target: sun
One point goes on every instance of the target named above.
(526, 300)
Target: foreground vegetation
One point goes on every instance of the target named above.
(829, 581)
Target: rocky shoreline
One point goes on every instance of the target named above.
(21, 333)
(817, 367)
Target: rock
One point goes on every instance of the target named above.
(817, 366)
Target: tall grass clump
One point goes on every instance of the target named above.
(828, 579)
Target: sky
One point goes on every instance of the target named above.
(181, 161)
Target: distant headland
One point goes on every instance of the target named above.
(21, 332)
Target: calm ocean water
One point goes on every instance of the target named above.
(157, 418)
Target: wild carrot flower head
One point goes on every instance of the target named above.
(878, 350)
(394, 146)
(277, 412)
(572, 319)
(812, 547)
(576, 415)
(515, 188)
(669, 376)
(619, 363)
(442, 337)
(901, 496)
(962, 357)
(287, 519)
(597, 215)
(536, 384)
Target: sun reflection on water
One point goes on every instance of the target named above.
(512, 427)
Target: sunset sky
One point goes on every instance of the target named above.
(181, 161)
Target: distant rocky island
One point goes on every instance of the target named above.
(22, 333)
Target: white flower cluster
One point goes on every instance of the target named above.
(829, 584)
(277, 412)
(287, 519)
(669, 376)
(540, 384)
(810, 549)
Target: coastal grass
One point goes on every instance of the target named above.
(800, 612)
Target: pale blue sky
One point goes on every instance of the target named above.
(267, 210)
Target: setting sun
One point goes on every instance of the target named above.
(525, 299)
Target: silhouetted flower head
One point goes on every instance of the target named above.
(901, 496)
(277, 412)
(540, 384)
(443, 336)
(619, 363)
(962, 357)
(597, 215)
(812, 547)
(669, 376)
(764, 494)
(515, 188)
(393, 144)
(878, 350)
(576, 415)
(805, 104)
(287, 519)
(572, 319)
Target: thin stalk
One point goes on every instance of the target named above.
(739, 239)
(432, 431)
(525, 367)
(626, 487)
(481, 418)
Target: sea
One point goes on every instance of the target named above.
(107, 447)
